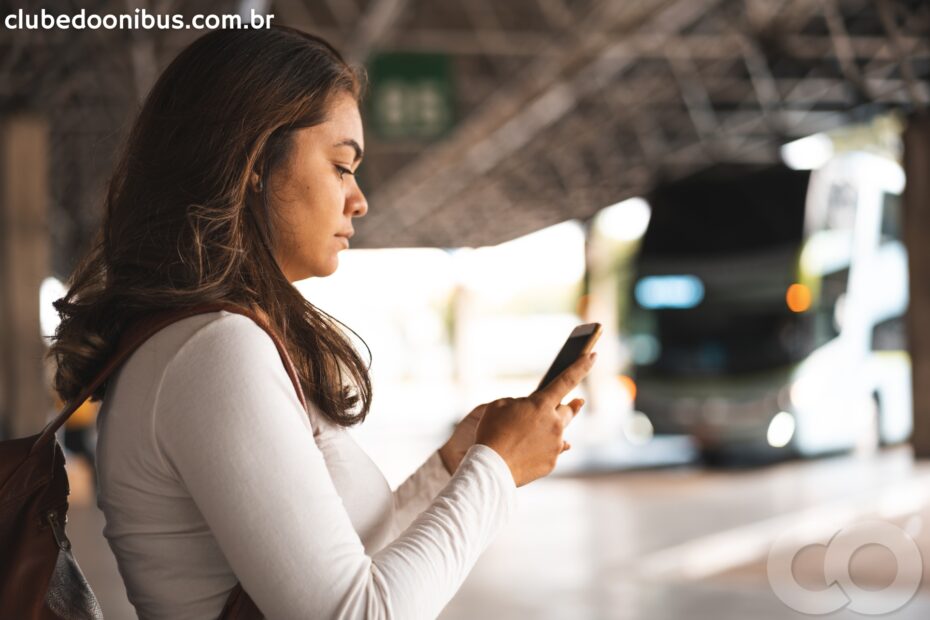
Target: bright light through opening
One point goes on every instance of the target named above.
(50, 290)
(551, 257)
(624, 221)
(781, 429)
(808, 153)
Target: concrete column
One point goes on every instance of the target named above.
(24, 261)
(466, 370)
(607, 408)
(917, 240)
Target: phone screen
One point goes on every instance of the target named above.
(579, 342)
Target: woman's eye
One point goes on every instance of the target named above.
(343, 171)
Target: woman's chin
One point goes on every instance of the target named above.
(329, 268)
(317, 271)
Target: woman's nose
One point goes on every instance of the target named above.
(356, 202)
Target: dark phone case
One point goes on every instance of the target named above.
(574, 347)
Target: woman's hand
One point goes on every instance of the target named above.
(527, 432)
(463, 438)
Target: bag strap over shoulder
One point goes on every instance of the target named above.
(137, 334)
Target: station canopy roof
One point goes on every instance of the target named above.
(489, 120)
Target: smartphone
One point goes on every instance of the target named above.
(580, 342)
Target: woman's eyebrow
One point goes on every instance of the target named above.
(359, 153)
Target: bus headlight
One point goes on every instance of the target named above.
(781, 429)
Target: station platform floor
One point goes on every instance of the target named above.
(670, 543)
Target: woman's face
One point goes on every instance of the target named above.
(314, 195)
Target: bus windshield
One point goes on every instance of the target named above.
(716, 262)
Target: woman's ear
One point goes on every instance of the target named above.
(255, 182)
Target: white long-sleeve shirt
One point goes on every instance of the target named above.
(210, 472)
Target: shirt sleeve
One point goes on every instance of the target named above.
(418, 491)
(230, 427)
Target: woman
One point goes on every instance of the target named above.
(238, 178)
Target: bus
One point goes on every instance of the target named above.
(766, 315)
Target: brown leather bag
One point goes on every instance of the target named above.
(39, 577)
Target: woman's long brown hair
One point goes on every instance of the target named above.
(181, 226)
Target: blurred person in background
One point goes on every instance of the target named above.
(238, 179)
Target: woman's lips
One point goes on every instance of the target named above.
(343, 238)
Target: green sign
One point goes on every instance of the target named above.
(411, 96)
